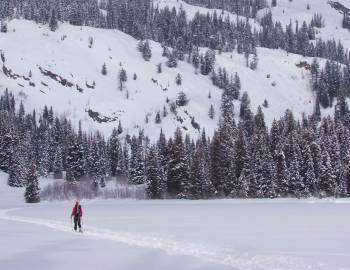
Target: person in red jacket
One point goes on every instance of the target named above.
(77, 213)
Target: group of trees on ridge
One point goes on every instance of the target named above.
(171, 27)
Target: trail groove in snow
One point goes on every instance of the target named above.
(239, 261)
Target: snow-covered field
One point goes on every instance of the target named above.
(218, 234)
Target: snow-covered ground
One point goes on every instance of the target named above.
(171, 234)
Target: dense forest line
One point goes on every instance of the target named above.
(243, 159)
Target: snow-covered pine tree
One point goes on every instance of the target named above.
(122, 79)
(158, 119)
(297, 186)
(17, 171)
(6, 146)
(114, 149)
(153, 174)
(178, 170)
(58, 163)
(159, 68)
(32, 192)
(137, 163)
(327, 182)
(178, 79)
(197, 173)
(282, 174)
(146, 51)
(75, 160)
(53, 23)
(211, 112)
(93, 161)
(172, 60)
(182, 99)
(308, 171)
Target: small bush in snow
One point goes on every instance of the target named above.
(3, 27)
(145, 49)
(265, 104)
(91, 42)
(173, 108)
(178, 79)
(158, 120)
(172, 61)
(182, 99)
(159, 68)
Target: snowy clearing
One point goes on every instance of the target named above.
(218, 234)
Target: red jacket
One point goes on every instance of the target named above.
(74, 211)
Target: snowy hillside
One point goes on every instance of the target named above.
(287, 11)
(66, 53)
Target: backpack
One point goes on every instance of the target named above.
(77, 211)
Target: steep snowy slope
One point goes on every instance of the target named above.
(63, 70)
(287, 11)
(191, 10)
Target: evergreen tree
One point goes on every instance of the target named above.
(104, 69)
(153, 174)
(146, 51)
(137, 164)
(17, 171)
(327, 182)
(32, 193)
(122, 79)
(158, 119)
(178, 170)
(178, 79)
(58, 163)
(172, 60)
(197, 174)
(308, 171)
(75, 161)
(182, 99)
(53, 24)
(282, 173)
(211, 112)
(297, 186)
(120, 128)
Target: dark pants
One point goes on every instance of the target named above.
(77, 222)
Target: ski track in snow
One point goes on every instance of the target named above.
(243, 261)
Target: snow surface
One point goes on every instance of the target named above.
(172, 234)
